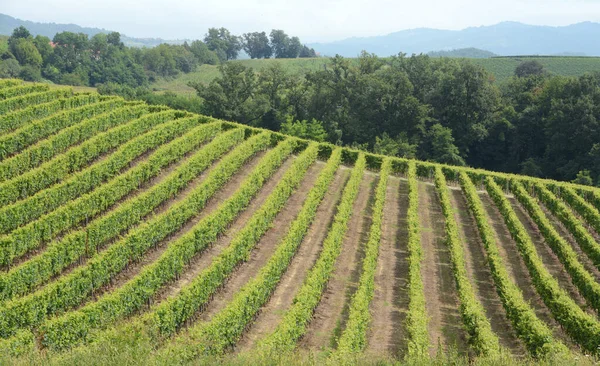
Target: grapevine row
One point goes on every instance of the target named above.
(19, 90)
(227, 326)
(71, 328)
(23, 101)
(70, 290)
(171, 314)
(572, 223)
(79, 156)
(593, 197)
(74, 185)
(584, 281)
(585, 209)
(482, 338)
(295, 320)
(46, 149)
(354, 337)
(7, 83)
(417, 318)
(31, 133)
(582, 327)
(86, 241)
(535, 333)
(20, 118)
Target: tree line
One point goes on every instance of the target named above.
(444, 110)
(75, 59)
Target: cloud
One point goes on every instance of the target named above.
(312, 20)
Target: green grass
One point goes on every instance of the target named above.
(501, 67)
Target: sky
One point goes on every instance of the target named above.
(311, 20)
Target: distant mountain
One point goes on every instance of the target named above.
(507, 38)
(8, 23)
(463, 52)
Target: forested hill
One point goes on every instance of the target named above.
(506, 38)
(8, 24)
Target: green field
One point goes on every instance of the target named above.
(206, 73)
(139, 235)
(502, 68)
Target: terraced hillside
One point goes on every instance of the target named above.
(138, 234)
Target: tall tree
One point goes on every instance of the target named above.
(42, 43)
(529, 68)
(71, 51)
(293, 48)
(223, 42)
(306, 52)
(256, 45)
(230, 96)
(279, 42)
(26, 53)
(203, 54)
(17, 34)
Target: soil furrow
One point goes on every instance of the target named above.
(390, 300)
(445, 327)
(550, 260)
(569, 238)
(264, 248)
(517, 269)
(203, 259)
(480, 275)
(328, 319)
(272, 312)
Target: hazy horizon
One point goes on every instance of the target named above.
(311, 20)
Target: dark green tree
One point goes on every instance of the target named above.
(312, 130)
(223, 42)
(42, 44)
(160, 60)
(17, 34)
(439, 146)
(256, 45)
(279, 43)
(71, 52)
(9, 68)
(230, 96)
(529, 68)
(584, 177)
(26, 53)
(203, 54)
(306, 52)
(293, 48)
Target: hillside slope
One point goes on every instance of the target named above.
(8, 24)
(138, 234)
(506, 38)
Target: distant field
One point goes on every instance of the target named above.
(502, 68)
(206, 73)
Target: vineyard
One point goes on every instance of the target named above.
(137, 234)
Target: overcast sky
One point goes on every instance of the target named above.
(311, 20)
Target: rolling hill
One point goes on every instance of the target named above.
(505, 39)
(8, 24)
(138, 234)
